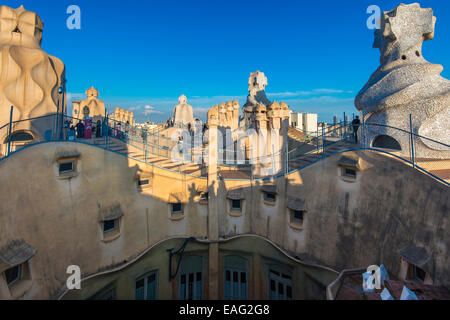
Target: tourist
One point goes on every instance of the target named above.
(80, 130)
(355, 124)
(71, 133)
(118, 130)
(127, 130)
(98, 129)
(67, 124)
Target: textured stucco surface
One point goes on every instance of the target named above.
(347, 225)
(405, 83)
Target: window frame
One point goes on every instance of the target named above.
(67, 174)
(204, 196)
(65, 162)
(232, 282)
(17, 279)
(191, 265)
(414, 273)
(195, 288)
(105, 293)
(145, 279)
(143, 182)
(233, 208)
(280, 277)
(271, 201)
(176, 212)
(297, 220)
(295, 223)
(344, 173)
(116, 226)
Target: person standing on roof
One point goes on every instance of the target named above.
(355, 124)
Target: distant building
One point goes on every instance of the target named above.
(91, 107)
(183, 115)
(306, 122)
(124, 116)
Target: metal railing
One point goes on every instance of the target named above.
(152, 147)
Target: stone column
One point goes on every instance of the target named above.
(213, 209)
(285, 115)
(262, 140)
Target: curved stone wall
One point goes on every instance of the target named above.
(347, 222)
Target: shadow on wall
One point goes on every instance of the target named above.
(250, 268)
(80, 205)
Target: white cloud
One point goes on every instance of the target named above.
(313, 92)
(200, 111)
(73, 96)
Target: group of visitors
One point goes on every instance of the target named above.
(82, 128)
(123, 133)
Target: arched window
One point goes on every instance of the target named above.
(191, 275)
(386, 142)
(235, 278)
(20, 137)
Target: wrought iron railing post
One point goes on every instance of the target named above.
(61, 133)
(323, 142)
(57, 120)
(107, 131)
(145, 137)
(287, 157)
(412, 140)
(10, 129)
(317, 137)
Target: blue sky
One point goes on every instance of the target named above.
(316, 54)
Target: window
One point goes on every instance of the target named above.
(146, 288)
(348, 172)
(177, 208)
(270, 197)
(13, 275)
(110, 222)
(298, 216)
(110, 225)
(108, 293)
(280, 285)
(143, 182)
(236, 205)
(65, 167)
(191, 284)
(235, 285)
(235, 281)
(418, 273)
(16, 255)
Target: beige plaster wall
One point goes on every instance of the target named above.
(347, 225)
